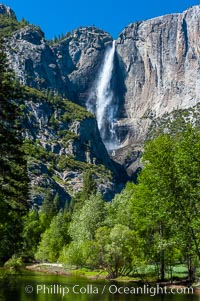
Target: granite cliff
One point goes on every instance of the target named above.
(68, 66)
(156, 71)
(62, 142)
(160, 61)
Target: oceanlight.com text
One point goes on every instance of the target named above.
(90, 289)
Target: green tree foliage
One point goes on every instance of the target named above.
(89, 185)
(88, 219)
(54, 239)
(9, 24)
(47, 205)
(82, 229)
(89, 188)
(116, 246)
(113, 249)
(77, 253)
(24, 22)
(56, 203)
(57, 39)
(166, 201)
(13, 169)
(31, 233)
(120, 211)
(103, 235)
(49, 209)
(36, 223)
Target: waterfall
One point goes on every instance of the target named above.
(105, 108)
(104, 92)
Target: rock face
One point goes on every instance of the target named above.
(79, 57)
(33, 60)
(160, 58)
(62, 142)
(159, 62)
(5, 10)
(68, 67)
(156, 69)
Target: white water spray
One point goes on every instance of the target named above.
(105, 107)
(104, 92)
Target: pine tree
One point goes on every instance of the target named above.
(56, 203)
(89, 185)
(13, 169)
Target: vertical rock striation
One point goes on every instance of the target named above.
(161, 62)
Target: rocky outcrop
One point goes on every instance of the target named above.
(62, 142)
(5, 10)
(79, 57)
(68, 67)
(33, 60)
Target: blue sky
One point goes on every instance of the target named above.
(61, 16)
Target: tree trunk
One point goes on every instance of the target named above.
(191, 270)
(162, 255)
(162, 266)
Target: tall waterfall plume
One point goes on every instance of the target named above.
(105, 107)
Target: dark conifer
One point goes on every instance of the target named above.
(13, 168)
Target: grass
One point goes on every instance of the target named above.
(86, 272)
(148, 273)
